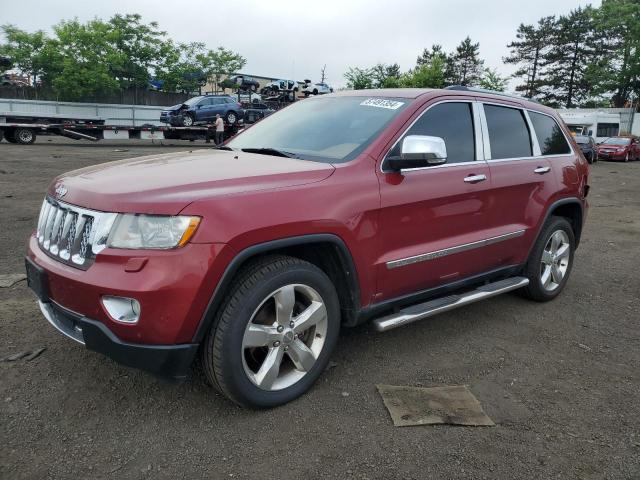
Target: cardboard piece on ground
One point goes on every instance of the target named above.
(454, 405)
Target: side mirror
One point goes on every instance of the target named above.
(419, 151)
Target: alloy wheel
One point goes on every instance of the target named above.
(555, 260)
(187, 121)
(284, 337)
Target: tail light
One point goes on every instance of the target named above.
(239, 105)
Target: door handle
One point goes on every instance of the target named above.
(475, 178)
(542, 170)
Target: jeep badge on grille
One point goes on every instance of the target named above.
(61, 190)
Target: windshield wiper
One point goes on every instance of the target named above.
(270, 151)
(223, 147)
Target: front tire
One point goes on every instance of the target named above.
(231, 118)
(551, 259)
(273, 336)
(187, 120)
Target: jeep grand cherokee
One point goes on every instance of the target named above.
(376, 205)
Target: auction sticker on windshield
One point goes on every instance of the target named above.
(382, 103)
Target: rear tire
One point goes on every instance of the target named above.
(1, 134)
(24, 136)
(260, 324)
(550, 261)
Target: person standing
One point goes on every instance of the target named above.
(219, 123)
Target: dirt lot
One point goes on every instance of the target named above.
(561, 380)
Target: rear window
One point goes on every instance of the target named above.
(508, 132)
(550, 137)
(617, 141)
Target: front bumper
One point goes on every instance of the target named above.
(608, 155)
(166, 360)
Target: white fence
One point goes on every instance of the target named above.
(112, 114)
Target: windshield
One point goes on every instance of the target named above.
(327, 129)
(192, 101)
(617, 141)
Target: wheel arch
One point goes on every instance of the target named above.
(570, 208)
(327, 251)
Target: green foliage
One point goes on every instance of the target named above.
(616, 67)
(83, 59)
(221, 62)
(385, 76)
(528, 52)
(359, 78)
(492, 80)
(465, 67)
(428, 55)
(566, 62)
(427, 75)
(27, 51)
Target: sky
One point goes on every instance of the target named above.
(295, 39)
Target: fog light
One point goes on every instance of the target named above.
(122, 309)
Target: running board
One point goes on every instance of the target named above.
(444, 304)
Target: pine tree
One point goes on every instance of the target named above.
(565, 77)
(465, 67)
(428, 55)
(616, 69)
(527, 51)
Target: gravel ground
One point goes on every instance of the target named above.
(561, 380)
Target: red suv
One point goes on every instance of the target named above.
(381, 205)
(619, 148)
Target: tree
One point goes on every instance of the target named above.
(221, 62)
(565, 80)
(359, 78)
(428, 75)
(135, 49)
(183, 67)
(385, 76)
(528, 51)
(492, 80)
(428, 55)
(616, 69)
(81, 67)
(465, 66)
(26, 51)
(323, 76)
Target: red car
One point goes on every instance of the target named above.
(375, 205)
(619, 148)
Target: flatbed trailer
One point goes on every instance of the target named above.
(26, 133)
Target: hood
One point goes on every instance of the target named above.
(173, 108)
(165, 184)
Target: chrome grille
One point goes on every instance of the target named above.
(71, 234)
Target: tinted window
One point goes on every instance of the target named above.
(607, 130)
(452, 122)
(550, 136)
(508, 132)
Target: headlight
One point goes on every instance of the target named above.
(151, 231)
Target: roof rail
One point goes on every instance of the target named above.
(492, 92)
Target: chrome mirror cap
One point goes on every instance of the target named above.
(424, 147)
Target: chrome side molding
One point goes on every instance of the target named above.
(423, 257)
(444, 304)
